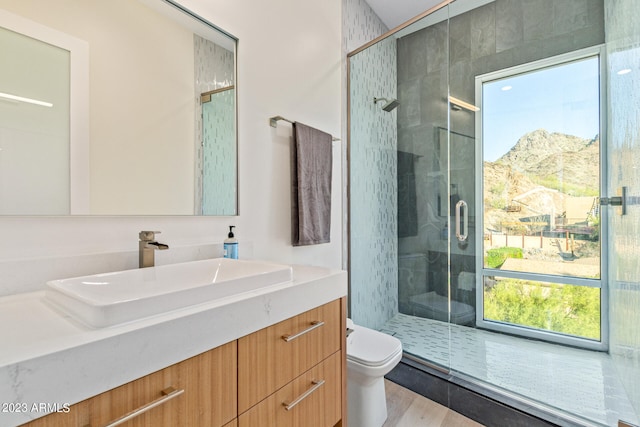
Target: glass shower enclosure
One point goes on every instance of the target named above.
(489, 161)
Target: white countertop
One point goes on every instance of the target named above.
(48, 358)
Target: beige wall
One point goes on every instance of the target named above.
(34, 139)
(137, 103)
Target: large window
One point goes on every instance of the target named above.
(541, 228)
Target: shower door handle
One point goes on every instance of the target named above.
(462, 236)
(620, 201)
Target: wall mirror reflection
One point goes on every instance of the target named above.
(102, 110)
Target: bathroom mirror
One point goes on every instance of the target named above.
(103, 111)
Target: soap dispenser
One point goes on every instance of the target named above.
(231, 245)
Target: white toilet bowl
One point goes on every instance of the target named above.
(370, 356)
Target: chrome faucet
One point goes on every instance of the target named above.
(147, 247)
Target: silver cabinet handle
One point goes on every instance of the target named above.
(314, 325)
(169, 393)
(316, 385)
(465, 233)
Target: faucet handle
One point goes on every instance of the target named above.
(147, 236)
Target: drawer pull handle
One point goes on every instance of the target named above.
(316, 385)
(168, 394)
(314, 325)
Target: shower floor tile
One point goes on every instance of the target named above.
(578, 382)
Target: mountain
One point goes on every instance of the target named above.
(542, 174)
(563, 162)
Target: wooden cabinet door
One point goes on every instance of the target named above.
(200, 391)
(267, 360)
(211, 391)
(312, 400)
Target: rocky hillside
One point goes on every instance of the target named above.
(554, 159)
(543, 173)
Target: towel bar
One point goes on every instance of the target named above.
(273, 122)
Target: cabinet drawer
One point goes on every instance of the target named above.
(204, 390)
(272, 357)
(311, 400)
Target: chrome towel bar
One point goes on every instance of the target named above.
(273, 122)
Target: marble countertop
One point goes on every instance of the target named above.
(48, 360)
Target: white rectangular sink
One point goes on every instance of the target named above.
(107, 299)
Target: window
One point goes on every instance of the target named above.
(540, 250)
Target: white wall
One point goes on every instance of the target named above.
(34, 139)
(135, 94)
(289, 63)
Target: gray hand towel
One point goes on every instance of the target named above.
(311, 163)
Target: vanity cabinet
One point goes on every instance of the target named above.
(311, 400)
(200, 391)
(291, 373)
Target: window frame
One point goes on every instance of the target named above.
(528, 332)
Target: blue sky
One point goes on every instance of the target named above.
(561, 99)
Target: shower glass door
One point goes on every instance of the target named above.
(430, 193)
(460, 144)
(399, 189)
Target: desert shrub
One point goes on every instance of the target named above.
(567, 309)
(553, 182)
(494, 258)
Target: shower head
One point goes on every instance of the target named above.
(390, 105)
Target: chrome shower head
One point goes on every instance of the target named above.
(390, 105)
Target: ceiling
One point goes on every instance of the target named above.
(396, 12)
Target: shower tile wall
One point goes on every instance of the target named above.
(422, 91)
(445, 58)
(360, 24)
(219, 154)
(623, 52)
(373, 294)
(214, 69)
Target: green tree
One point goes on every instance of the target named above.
(494, 258)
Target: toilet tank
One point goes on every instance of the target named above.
(412, 278)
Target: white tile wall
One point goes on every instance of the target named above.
(214, 69)
(373, 182)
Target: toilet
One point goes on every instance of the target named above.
(370, 356)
